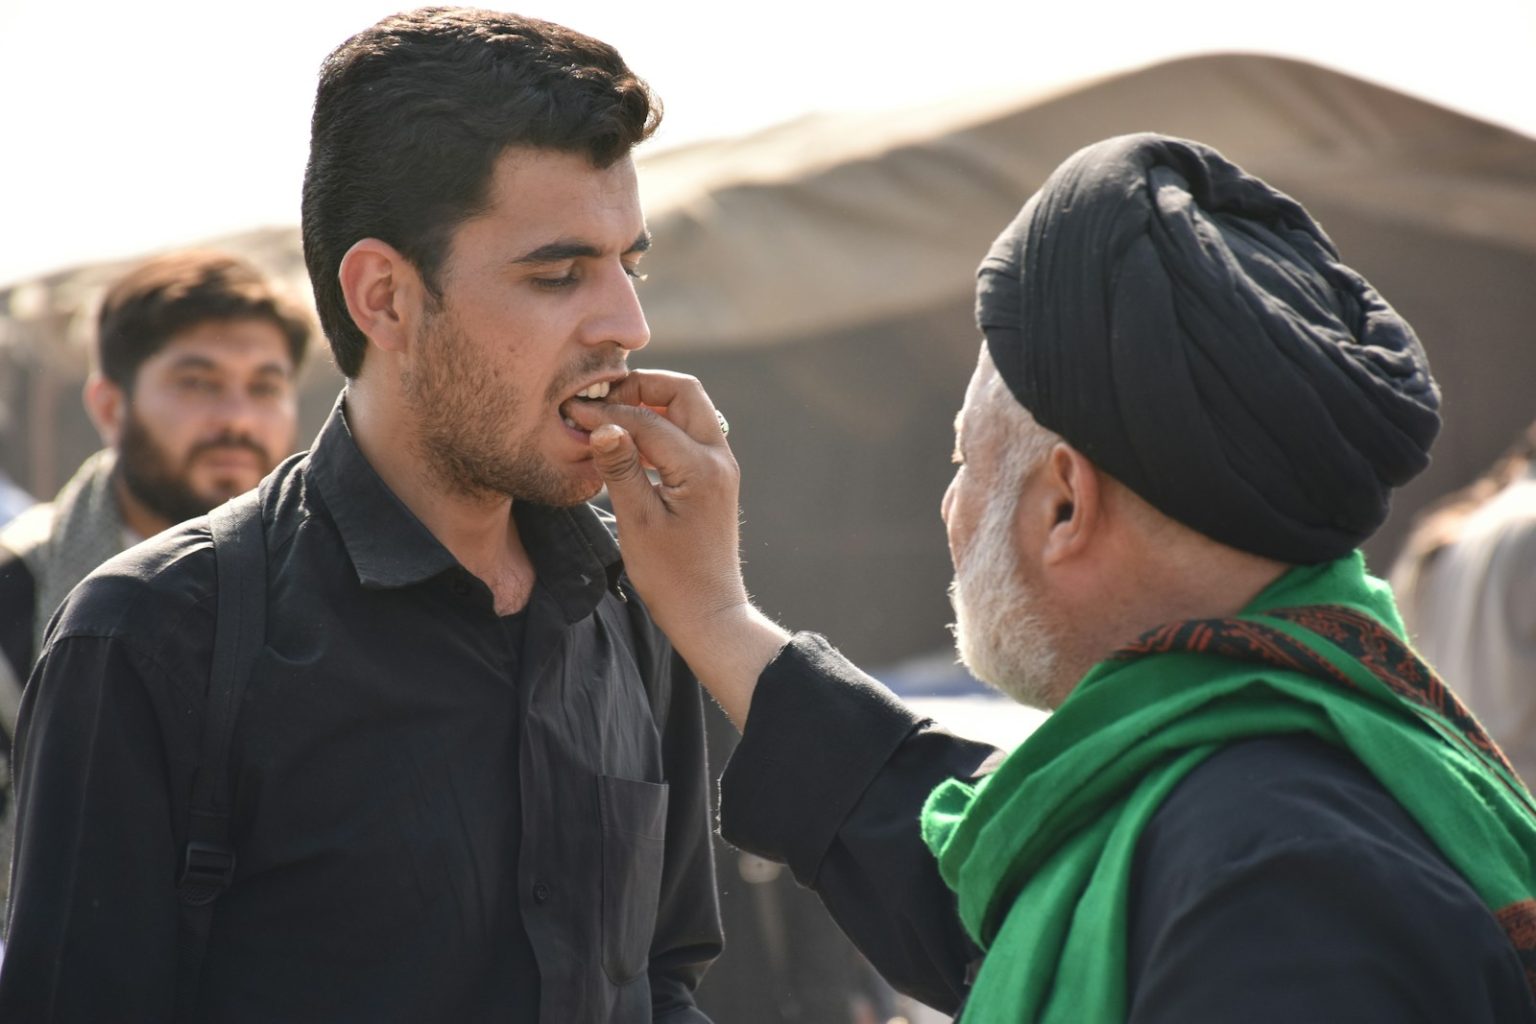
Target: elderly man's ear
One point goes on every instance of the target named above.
(1063, 502)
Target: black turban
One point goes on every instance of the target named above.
(1192, 331)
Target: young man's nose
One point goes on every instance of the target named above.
(620, 318)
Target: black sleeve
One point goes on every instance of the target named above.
(91, 930)
(830, 777)
(1279, 883)
(17, 611)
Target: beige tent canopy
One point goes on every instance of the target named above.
(866, 219)
(818, 277)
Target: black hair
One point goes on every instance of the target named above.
(411, 115)
(168, 294)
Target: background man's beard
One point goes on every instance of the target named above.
(461, 409)
(164, 489)
(999, 631)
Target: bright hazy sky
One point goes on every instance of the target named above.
(130, 125)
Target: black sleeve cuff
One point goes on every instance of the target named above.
(818, 732)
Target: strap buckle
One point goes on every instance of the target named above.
(206, 871)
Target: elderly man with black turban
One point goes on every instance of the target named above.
(1253, 801)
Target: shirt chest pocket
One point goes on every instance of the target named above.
(634, 830)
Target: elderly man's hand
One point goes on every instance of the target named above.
(680, 536)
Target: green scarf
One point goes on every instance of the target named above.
(1040, 852)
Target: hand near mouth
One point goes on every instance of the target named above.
(680, 537)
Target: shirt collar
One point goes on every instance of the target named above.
(574, 554)
(572, 549)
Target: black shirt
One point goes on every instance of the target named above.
(1278, 882)
(430, 824)
(1283, 868)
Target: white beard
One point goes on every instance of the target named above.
(999, 632)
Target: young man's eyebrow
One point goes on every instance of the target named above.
(559, 252)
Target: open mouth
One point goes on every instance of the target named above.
(596, 392)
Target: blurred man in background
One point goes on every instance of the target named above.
(1467, 583)
(193, 394)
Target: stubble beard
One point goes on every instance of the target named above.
(1000, 633)
(461, 409)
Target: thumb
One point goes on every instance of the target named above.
(618, 463)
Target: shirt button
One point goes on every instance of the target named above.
(540, 892)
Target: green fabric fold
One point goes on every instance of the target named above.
(1039, 853)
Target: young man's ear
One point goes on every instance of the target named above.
(1072, 502)
(106, 404)
(383, 292)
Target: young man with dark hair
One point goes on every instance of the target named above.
(193, 396)
(468, 772)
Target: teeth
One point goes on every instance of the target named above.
(598, 390)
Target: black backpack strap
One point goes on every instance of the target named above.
(208, 859)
